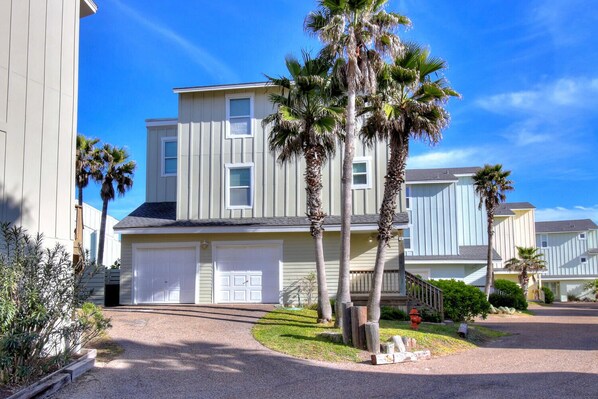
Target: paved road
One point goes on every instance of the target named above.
(208, 352)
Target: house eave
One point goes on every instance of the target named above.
(87, 8)
(238, 86)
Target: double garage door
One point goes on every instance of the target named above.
(242, 274)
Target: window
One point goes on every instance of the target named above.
(361, 173)
(169, 156)
(582, 236)
(543, 241)
(584, 260)
(239, 115)
(407, 239)
(407, 197)
(239, 186)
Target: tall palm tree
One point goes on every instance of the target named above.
(358, 33)
(529, 260)
(491, 184)
(409, 105)
(306, 124)
(86, 165)
(117, 170)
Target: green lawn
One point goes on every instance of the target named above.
(295, 332)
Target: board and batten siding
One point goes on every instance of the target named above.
(298, 258)
(39, 50)
(514, 231)
(159, 188)
(433, 220)
(278, 188)
(471, 220)
(564, 252)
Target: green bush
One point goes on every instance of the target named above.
(498, 300)
(512, 289)
(391, 313)
(548, 295)
(43, 317)
(462, 302)
(430, 316)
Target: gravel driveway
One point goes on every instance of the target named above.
(208, 352)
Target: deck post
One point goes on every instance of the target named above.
(402, 282)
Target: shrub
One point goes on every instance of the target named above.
(572, 298)
(43, 318)
(512, 289)
(430, 316)
(498, 300)
(462, 302)
(548, 295)
(391, 313)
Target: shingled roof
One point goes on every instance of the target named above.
(466, 252)
(507, 208)
(439, 174)
(564, 226)
(163, 214)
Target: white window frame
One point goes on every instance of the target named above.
(408, 204)
(228, 133)
(583, 260)
(582, 236)
(368, 173)
(410, 247)
(230, 166)
(163, 156)
(543, 240)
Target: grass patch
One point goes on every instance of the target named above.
(296, 333)
(108, 350)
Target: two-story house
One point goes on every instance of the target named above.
(447, 232)
(39, 50)
(223, 221)
(514, 226)
(570, 248)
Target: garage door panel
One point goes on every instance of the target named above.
(255, 281)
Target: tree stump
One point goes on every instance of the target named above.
(372, 337)
(359, 315)
(346, 327)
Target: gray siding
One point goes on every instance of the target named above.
(38, 101)
(433, 220)
(564, 252)
(471, 219)
(279, 189)
(158, 188)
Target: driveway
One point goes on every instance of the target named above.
(208, 352)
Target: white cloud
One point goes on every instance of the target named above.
(439, 159)
(561, 213)
(201, 57)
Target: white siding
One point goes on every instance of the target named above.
(471, 219)
(158, 188)
(564, 252)
(92, 218)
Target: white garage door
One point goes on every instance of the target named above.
(247, 274)
(165, 275)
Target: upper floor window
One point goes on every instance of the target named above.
(239, 186)
(169, 156)
(543, 241)
(239, 115)
(407, 239)
(582, 236)
(584, 260)
(407, 197)
(361, 173)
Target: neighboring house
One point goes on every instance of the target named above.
(447, 235)
(92, 218)
(570, 248)
(514, 226)
(39, 49)
(224, 222)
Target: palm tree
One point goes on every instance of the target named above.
(306, 124)
(529, 260)
(409, 105)
(116, 169)
(358, 33)
(491, 184)
(86, 165)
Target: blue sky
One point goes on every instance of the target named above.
(526, 70)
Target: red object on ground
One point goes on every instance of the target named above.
(415, 318)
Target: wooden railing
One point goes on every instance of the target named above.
(417, 289)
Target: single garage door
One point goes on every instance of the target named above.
(165, 275)
(247, 273)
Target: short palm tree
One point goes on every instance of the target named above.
(410, 104)
(117, 170)
(86, 165)
(528, 260)
(306, 123)
(491, 184)
(358, 33)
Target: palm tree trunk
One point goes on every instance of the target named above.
(489, 266)
(80, 195)
(313, 187)
(524, 283)
(343, 292)
(100, 257)
(395, 177)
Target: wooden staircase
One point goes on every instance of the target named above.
(416, 293)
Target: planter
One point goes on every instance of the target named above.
(52, 383)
